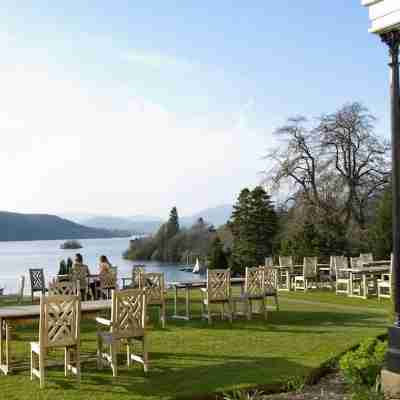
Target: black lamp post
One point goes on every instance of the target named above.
(385, 21)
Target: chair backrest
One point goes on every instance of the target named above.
(218, 284)
(154, 283)
(136, 271)
(128, 312)
(340, 263)
(108, 280)
(59, 321)
(269, 261)
(286, 261)
(80, 274)
(63, 288)
(310, 267)
(254, 282)
(270, 279)
(366, 257)
(37, 279)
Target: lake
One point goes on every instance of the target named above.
(17, 257)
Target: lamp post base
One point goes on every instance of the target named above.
(393, 354)
(390, 384)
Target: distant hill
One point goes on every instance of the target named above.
(15, 226)
(139, 224)
(216, 216)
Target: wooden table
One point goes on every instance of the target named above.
(11, 316)
(187, 287)
(362, 273)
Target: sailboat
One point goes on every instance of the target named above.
(197, 267)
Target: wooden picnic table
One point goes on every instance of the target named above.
(187, 287)
(362, 273)
(14, 315)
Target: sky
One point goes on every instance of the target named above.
(131, 107)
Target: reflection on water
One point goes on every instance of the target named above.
(17, 257)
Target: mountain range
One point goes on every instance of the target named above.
(16, 226)
(145, 224)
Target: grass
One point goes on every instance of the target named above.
(191, 359)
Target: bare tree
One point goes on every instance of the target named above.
(336, 164)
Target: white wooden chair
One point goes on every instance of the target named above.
(366, 258)
(285, 274)
(154, 283)
(342, 276)
(385, 283)
(218, 291)
(127, 324)
(269, 261)
(309, 276)
(59, 328)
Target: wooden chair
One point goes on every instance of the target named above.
(134, 281)
(107, 283)
(21, 288)
(128, 324)
(384, 288)
(254, 290)
(81, 274)
(218, 291)
(59, 328)
(37, 281)
(342, 276)
(64, 288)
(271, 284)
(310, 274)
(366, 258)
(154, 283)
(285, 274)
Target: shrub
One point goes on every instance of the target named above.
(362, 366)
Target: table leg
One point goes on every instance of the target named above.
(175, 300)
(350, 284)
(188, 303)
(5, 346)
(364, 284)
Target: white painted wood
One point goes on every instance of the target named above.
(384, 15)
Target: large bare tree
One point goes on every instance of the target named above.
(336, 163)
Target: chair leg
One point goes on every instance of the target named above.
(276, 302)
(249, 310)
(163, 315)
(99, 352)
(145, 355)
(41, 369)
(230, 312)
(78, 364)
(67, 361)
(113, 352)
(209, 314)
(264, 305)
(222, 311)
(32, 364)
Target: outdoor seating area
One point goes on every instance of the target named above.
(360, 276)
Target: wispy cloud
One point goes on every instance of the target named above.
(156, 60)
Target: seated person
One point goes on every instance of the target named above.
(80, 272)
(104, 265)
(78, 264)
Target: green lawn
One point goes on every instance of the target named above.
(191, 359)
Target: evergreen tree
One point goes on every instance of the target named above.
(217, 257)
(173, 223)
(253, 225)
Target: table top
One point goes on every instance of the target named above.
(16, 312)
(366, 269)
(200, 284)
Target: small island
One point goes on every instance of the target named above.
(71, 244)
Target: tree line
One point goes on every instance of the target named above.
(332, 174)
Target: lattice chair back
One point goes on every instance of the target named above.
(310, 267)
(270, 279)
(37, 279)
(366, 258)
(63, 288)
(59, 321)
(286, 261)
(218, 284)
(355, 262)
(128, 313)
(254, 282)
(340, 263)
(269, 261)
(80, 274)
(108, 280)
(154, 283)
(136, 271)
(114, 269)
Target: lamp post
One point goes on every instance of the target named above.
(385, 22)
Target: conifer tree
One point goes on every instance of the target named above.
(217, 258)
(173, 223)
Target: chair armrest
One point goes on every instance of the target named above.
(103, 321)
(203, 289)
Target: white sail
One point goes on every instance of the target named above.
(196, 268)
